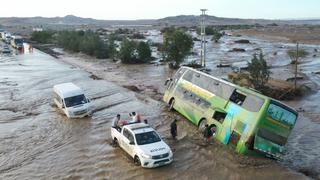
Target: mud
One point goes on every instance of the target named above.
(39, 142)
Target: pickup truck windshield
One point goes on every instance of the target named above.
(75, 100)
(147, 138)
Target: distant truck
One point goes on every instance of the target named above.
(17, 42)
(143, 144)
(71, 100)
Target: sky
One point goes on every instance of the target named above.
(155, 9)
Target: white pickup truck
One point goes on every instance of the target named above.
(143, 144)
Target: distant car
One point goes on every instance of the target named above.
(71, 100)
(6, 50)
(143, 144)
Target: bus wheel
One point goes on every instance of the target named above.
(202, 125)
(137, 161)
(171, 104)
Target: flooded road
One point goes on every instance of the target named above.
(39, 142)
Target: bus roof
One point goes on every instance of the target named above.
(243, 89)
(67, 90)
(229, 83)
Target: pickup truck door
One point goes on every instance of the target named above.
(128, 137)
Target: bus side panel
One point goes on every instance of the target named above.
(237, 127)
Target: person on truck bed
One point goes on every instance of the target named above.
(115, 122)
(135, 117)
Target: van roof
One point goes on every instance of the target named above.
(67, 90)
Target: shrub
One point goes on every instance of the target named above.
(292, 53)
(127, 51)
(259, 71)
(144, 52)
(42, 36)
(177, 45)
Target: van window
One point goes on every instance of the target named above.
(75, 100)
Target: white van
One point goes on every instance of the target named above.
(71, 100)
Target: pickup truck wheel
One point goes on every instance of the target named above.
(137, 161)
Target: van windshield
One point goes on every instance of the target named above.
(75, 100)
(147, 138)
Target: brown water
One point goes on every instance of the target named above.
(38, 142)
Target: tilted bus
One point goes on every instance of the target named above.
(246, 120)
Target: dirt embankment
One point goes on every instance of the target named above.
(290, 34)
(275, 88)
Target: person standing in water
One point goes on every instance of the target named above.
(173, 129)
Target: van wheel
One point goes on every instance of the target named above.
(202, 125)
(137, 161)
(171, 104)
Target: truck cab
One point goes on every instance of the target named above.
(143, 144)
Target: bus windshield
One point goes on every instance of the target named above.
(281, 114)
(147, 138)
(75, 100)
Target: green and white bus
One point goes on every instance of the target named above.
(245, 119)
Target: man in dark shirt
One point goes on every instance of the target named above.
(173, 129)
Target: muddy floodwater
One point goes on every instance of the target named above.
(39, 142)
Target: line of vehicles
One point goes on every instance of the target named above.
(13, 40)
(244, 119)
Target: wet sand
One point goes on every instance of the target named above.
(39, 142)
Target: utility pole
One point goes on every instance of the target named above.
(296, 68)
(203, 38)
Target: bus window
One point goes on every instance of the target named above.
(201, 80)
(204, 104)
(226, 90)
(176, 78)
(188, 76)
(253, 103)
(237, 97)
(213, 86)
(279, 113)
(219, 116)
